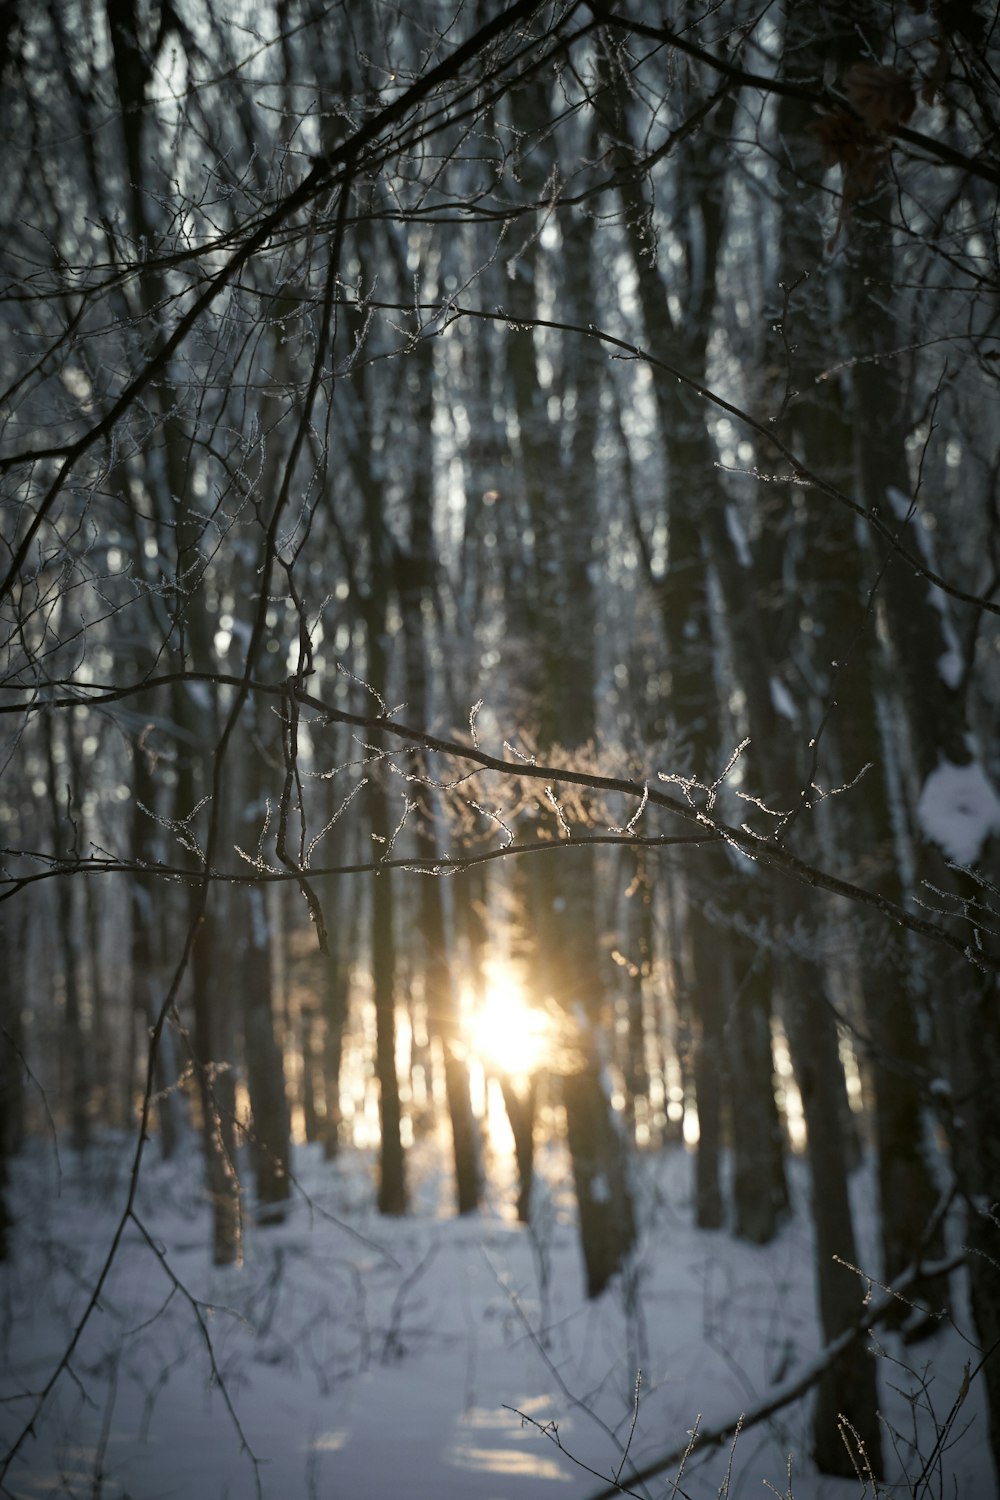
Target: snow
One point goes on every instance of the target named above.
(429, 1357)
(901, 504)
(738, 536)
(950, 666)
(599, 1190)
(958, 810)
(782, 701)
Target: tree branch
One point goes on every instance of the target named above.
(742, 838)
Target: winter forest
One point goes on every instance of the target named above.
(500, 892)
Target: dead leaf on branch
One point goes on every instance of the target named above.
(939, 72)
(860, 153)
(856, 136)
(850, 144)
(882, 96)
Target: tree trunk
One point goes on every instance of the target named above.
(940, 739)
(11, 1066)
(568, 974)
(695, 734)
(637, 960)
(334, 1003)
(270, 1126)
(416, 578)
(146, 950)
(392, 1194)
(845, 1409)
(550, 597)
(217, 1093)
(600, 1174)
(73, 1044)
(760, 1187)
(709, 1064)
(520, 1107)
(310, 1060)
(392, 1175)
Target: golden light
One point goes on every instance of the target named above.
(506, 1033)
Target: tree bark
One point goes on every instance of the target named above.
(392, 1195)
(845, 1411)
(217, 1093)
(269, 1126)
(760, 1186)
(74, 1055)
(550, 596)
(334, 1001)
(416, 577)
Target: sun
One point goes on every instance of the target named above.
(506, 1033)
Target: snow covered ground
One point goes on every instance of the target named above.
(428, 1358)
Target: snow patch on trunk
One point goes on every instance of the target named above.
(599, 1191)
(738, 537)
(782, 702)
(959, 810)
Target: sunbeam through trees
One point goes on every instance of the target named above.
(500, 616)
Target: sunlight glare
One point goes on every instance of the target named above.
(506, 1033)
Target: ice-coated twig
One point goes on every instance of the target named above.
(798, 1384)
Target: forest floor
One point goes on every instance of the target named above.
(358, 1358)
